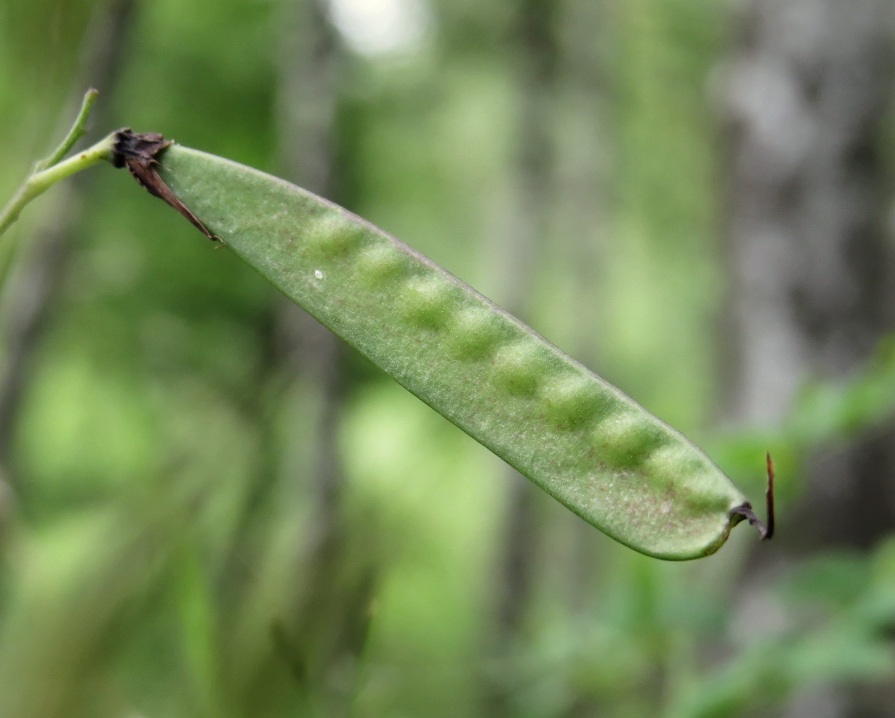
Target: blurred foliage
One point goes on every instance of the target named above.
(158, 543)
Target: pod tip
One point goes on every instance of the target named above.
(765, 530)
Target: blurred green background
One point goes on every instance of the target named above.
(210, 507)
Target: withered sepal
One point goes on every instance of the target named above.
(139, 152)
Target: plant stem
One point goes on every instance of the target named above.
(52, 169)
(74, 134)
(39, 181)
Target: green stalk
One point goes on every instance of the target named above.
(74, 134)
(49, 171)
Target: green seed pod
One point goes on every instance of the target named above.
(574, 435)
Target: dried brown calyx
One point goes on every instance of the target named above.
(139, 152)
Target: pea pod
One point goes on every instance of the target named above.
(577, 437)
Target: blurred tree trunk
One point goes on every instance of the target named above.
(810, 261)
(306, 114)
(534, 57)
(809, 257)
(39, 278)
(583, 47)
(329, 627)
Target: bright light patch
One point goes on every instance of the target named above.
(381, 27)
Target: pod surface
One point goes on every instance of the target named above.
(574, 435)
